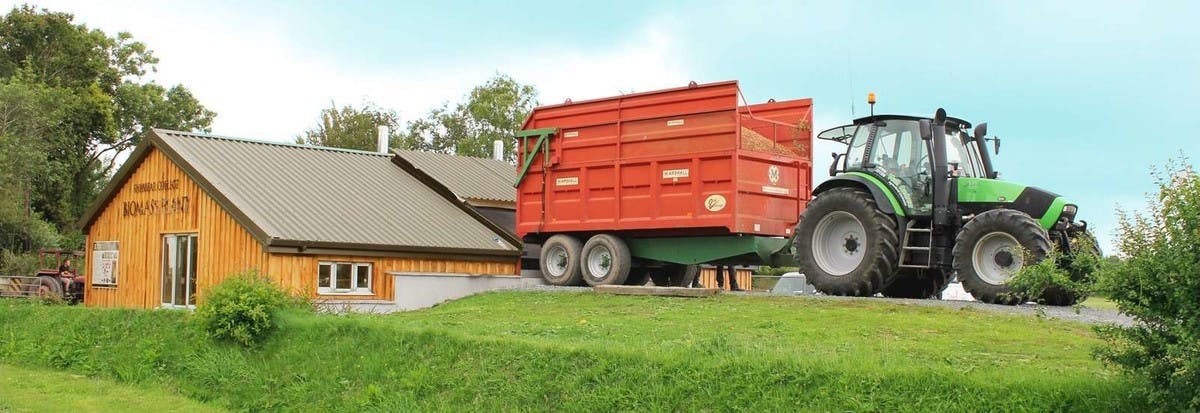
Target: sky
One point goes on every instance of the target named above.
(1086, 96)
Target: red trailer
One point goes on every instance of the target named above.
(648, 184)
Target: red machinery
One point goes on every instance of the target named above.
(679, 176)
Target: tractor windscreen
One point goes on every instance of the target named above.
(960, 155)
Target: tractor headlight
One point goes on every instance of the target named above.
(1069, 211)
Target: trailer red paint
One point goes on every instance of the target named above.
(674, 162)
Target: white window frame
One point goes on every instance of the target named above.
(189, 293)
(354, 289)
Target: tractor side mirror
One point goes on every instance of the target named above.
(996, 144)
(833, 167)
(980, 132)
(926, 130)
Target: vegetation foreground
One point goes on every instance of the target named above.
(38, 390)
(583, 351)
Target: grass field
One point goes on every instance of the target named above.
(585, 352)
(41, 390)
(1099, 303)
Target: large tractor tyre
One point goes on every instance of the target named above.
(918, 283)
(560, 260)
(1056, 295)
(992, 248)
(606, 261)
(845, 245)
(49, 288)
(675, 275)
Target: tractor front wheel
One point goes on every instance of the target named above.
(845, 245)
(1059, 296)
(992, 248)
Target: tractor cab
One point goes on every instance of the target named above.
(890, 148)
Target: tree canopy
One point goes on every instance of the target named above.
(491, 111)
(72, 99)
(351, 127)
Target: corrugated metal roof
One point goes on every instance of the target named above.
(469, 178)
(329, 198)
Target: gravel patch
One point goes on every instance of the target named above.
(1079, 315)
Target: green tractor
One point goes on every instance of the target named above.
(915, 200)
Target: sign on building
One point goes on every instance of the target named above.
(104, 263)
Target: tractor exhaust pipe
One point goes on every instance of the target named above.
(941, 171)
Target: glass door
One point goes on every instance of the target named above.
(179, 270)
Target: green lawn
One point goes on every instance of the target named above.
(1099, 303)
(41, 390)
(507, 351)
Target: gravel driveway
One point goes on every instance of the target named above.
(1080, 315)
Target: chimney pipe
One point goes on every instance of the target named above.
(498, 150)
(382, 139)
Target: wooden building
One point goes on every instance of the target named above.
(187, 210)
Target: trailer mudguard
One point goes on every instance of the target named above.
(884, 198)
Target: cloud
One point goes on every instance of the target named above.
(265, 85)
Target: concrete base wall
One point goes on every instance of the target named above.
(417, 291)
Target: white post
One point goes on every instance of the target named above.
(383, 139)
(498, 150)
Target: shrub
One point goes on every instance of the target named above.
(18, 264)
(243, 309)
(1071, 274)
(1158, 283)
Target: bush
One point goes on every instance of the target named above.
(18, 264)
(243, 309)
(1072, 274)
(1157, 282)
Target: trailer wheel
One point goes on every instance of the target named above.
(559, 260)
(606, 261)
(918, 283)
(991, 248)
(845, 245)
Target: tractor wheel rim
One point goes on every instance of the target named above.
(997, 257)
(839, 243)
(599, 262)
(556, 262)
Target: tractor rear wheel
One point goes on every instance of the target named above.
(49, 288)
(992, 248)
(560, 260)
(845, 245)
(918, 283)
(606, 261)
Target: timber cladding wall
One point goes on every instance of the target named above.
(159, 199)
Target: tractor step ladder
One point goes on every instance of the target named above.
(906, 247)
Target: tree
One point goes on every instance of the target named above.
(1156, 281)
(492, 111)
(355, 128)
(101, 105)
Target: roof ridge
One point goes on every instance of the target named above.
(272, 143)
